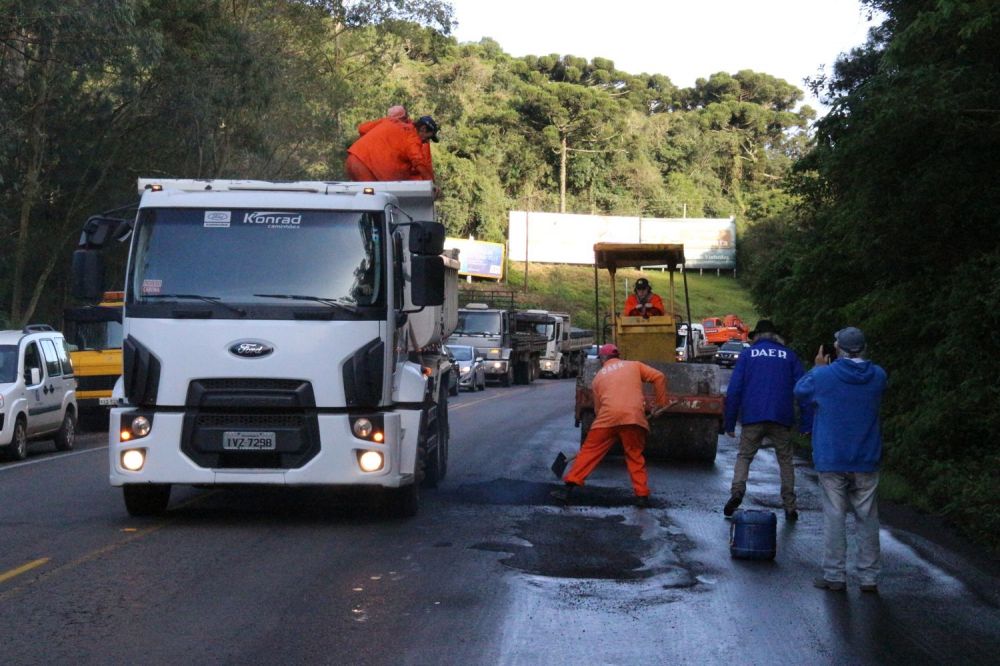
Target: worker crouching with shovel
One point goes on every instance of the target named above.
(620, 416)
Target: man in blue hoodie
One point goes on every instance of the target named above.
(847, 449)
(760, 396)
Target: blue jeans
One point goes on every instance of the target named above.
(857, 491)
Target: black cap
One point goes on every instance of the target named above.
(642, 283)
(763, 326)
(429, 123)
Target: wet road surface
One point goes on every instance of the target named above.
(489, 572)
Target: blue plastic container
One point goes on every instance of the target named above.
(753, 535)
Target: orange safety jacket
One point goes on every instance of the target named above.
(654, 302)
(618, 396)
(419, 168)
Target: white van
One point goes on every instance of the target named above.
(37, 390)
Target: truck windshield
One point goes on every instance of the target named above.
(263, 260)
(8, 364)
(483, 323)
(548, 330)
(94, 335)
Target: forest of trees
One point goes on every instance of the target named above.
(882, 214)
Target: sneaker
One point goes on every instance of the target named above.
(832, 585)
(732, 505)
(791, 515)
(869, 587)
(642, 501)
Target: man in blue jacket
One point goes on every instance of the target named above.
(760, 396)
(847, 449)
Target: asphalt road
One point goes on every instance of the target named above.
(489, 572)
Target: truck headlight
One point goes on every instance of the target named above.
(133, 459)
(135, 426)
(371, 428)
(362, 428)
(370, 461)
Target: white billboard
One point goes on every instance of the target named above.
(564, 238)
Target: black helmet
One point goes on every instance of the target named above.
(429, 123)
(642, 283)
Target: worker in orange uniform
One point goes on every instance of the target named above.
(621, 415)
(392, 149)
(643, 302)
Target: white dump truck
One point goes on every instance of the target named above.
(279, 334)
(697, 348)
(566, 347)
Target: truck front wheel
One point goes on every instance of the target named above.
(146, 499)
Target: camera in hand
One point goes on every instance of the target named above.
(830, 351)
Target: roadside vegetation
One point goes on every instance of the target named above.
(884, 214)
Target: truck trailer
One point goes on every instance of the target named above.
(279, 334)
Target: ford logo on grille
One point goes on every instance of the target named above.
(250, 349)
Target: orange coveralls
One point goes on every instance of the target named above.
(389, 150)
(654, 302)
(621, 414)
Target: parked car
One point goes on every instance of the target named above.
(729, 353)
(472, 368)
(37, 390)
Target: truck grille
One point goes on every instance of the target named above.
(296, 434)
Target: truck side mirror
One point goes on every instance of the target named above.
(427, 280)
(88, 274)
(427, 238)
(98, 230)
(36, 376)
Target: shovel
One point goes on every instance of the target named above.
(560, 464)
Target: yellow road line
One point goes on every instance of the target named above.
(22, 569)
(88, 557)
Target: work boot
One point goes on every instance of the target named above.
(791, 515)
(561, 496)
(731, 506)
(642, 502)
(832, 585)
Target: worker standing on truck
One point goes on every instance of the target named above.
(643, 302)
(760, 394)
(392, 148)
(621, 415)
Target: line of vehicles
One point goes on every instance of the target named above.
(252, 354)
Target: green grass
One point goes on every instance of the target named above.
(571, 289)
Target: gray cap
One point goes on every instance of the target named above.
(850, 339)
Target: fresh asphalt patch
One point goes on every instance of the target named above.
(600, 536)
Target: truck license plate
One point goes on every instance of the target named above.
(248, 440)
(106, 402)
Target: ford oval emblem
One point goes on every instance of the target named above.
(250, 349)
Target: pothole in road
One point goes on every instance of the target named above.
(567, 545)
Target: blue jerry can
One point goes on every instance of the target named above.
(753, 535)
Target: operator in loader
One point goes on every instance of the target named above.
(621, 415)
(642, 302)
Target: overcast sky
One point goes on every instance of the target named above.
(683, 39)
